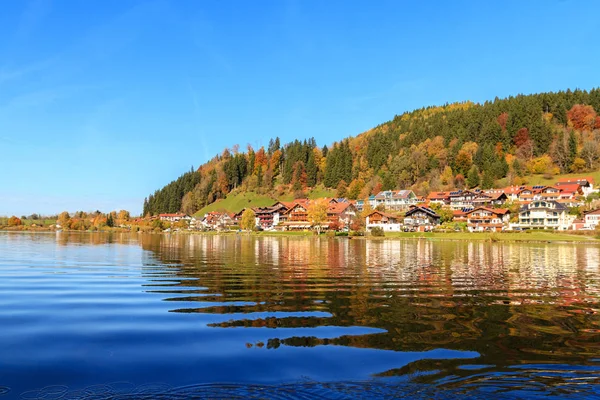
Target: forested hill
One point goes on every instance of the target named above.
(434, 148)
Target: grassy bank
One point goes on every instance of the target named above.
(530, 236)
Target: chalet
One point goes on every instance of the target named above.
(512, 192)
(268, 217)
(173, 217)
(394, 199)
(484, 219)
(441, 198)
(585, 183)
(217, 220)
(462, 199)
(490, 198)
(459, 216)
(340, 214)
(296, 216)
(380, 219)
(591, 219)
(542, 214)
(421, 218)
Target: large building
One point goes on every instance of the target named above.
(394, 199)
(545, 214)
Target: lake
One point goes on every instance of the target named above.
(120, 316)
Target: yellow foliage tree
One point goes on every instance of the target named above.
(248, 221)
(317, 214)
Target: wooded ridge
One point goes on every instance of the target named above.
(459, 145)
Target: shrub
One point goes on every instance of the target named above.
(377, 231)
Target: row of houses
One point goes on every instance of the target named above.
(294, 215)
(541, 214)
(541, 207)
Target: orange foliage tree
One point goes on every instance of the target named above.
(14, 221)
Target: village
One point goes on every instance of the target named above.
(514, 208)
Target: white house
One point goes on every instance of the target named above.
(543, 214)
(387, 222)
(591, 219)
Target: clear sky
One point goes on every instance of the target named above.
(102, 102)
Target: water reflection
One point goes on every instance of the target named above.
(513, 304)
(485, 317)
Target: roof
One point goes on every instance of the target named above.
(338, 208)
(426, 210)
(498, 211)
(558, 206)
(492, 194)
(583, 180)
(592, 212)
(383, 214)
(399, 194)
(438, 195)
(173, 215)
(569, 187)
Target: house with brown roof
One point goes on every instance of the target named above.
(385, 221)
(462, 199)
(269, 217)
(421, 218)
(485, 219)
(493, 197)
(296, 217)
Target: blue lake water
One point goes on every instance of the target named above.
(109, 316)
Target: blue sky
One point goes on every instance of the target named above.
(103, 102)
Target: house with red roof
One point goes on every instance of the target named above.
(586, 184)
(484, 219)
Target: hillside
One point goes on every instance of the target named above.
(504, 141)
(238, 200)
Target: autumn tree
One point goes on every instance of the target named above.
(63, 219)
(248, 221)
(123, 217)
(317, 214)
(14, 221)
(341, 189)
(582, 117)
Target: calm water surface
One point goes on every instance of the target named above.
(133, 316)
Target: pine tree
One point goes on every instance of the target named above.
(473, 177)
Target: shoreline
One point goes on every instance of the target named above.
(506, 237)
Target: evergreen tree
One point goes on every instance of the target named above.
(473, 177)
(311, 171)
(488, 180)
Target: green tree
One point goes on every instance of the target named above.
(473, 177)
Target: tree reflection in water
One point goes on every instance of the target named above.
(514, 304)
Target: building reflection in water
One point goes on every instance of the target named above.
(511, 303)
